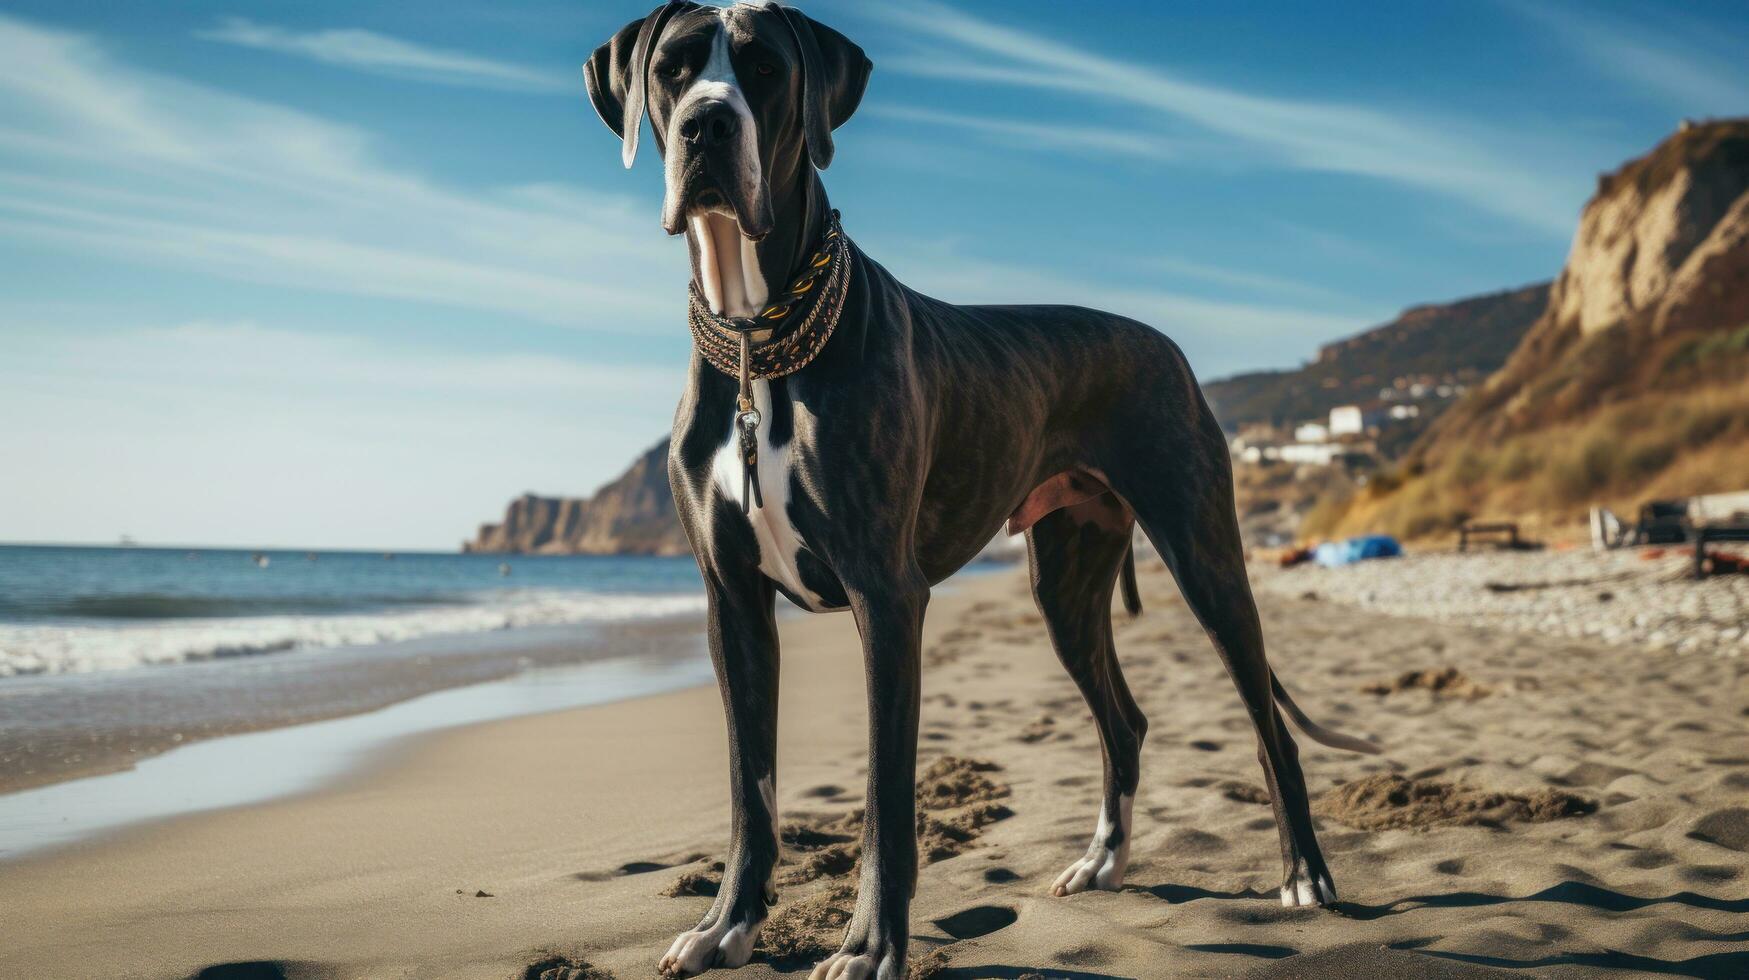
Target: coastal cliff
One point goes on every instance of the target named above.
(633, 515)
(1633, 384)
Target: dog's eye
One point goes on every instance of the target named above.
(670, 69)
(765, 68)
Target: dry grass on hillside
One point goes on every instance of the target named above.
(1665, 444)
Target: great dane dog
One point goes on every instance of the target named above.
(890, 456)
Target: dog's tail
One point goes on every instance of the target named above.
(1132, 599)
(1315, 731)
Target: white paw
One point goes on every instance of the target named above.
(857, 966)
(701, 949)
(1303, 891)
(1103, 866)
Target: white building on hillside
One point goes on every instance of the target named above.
(1352, 420)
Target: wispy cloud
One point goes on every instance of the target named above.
(1693, 70)
(1219, 337)
(1088, 140)
(1240, 278)
(380, 54)
(104, 159)
(1299, 133)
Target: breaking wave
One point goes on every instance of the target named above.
(165, 629)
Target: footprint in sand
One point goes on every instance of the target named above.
(1726, 828)
(1092, 954)
(635, 868)
(1189, 841)
(1710, 874)
(262, 970)
(979, 921)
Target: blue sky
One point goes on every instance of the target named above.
(332, 274)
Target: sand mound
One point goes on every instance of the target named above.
(951, 781)
(809, 929)
(1726, 828)
(925, 967)
(704, 882)
(563, 968)
(1385, 801)
(1242, 792)
(954, 800)
(1444, 682)
(1037, 731)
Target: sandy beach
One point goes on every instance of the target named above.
(1547, 805)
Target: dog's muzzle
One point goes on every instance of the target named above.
(714, 166)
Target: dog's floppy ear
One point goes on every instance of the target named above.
(834, 74)
(617, 75)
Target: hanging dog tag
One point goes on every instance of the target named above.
(747, 422)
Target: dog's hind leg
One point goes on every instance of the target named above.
(1076, 554)
(1183, 498)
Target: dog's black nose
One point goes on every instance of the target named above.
(711, 124)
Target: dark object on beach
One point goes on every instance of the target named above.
(1366, 547)
(1503, 534)
(482, 893)
(1446, 682)
(1295, 556)
(1661, 522)
(1717, 562)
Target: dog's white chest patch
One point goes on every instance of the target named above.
(779, 541)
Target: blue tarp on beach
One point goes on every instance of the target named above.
(1334, 553)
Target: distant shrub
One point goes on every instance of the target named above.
(1642, 461)
(1584, 471)
(1326, 515)
(1707, 422)
(1470, 468)
(1516, 462)
(1384, 483)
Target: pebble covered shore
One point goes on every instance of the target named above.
(1641, 597)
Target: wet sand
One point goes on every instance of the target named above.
(1570, 807)
(55, 727)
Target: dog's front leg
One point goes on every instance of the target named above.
(890, 618)
(743, 643)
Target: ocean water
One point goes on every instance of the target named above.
(76, 610)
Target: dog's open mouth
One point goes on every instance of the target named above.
(728, 264)
(709, 198)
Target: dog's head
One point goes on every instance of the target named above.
(740, 99)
